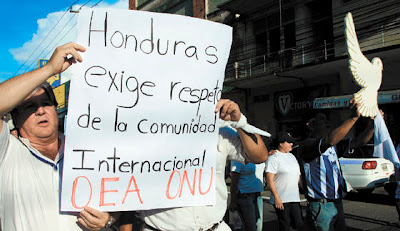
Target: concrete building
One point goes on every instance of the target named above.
(287, 53)
(207, 9)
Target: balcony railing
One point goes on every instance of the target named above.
(301, 55)
(278, 61)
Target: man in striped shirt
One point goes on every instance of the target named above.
(322, 175)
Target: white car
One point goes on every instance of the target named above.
(365, 174)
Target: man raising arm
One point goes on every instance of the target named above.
(30, 165)
(321, 173)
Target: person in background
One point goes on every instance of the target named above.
(323, 177)
(397, 177)
(246, 185)
(283, 177)
(234, 144)
(30, 165)
(128, 221)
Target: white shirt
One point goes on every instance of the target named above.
(287, 173)
(197, 217)
(251, 176)
(29, 188)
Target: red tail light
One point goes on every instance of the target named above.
(369, 165)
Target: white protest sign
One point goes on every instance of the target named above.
(142, 132)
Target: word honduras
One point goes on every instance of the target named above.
(148, 46)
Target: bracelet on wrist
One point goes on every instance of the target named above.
(110, 222)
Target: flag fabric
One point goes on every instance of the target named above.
(383, 145)
(398, 149)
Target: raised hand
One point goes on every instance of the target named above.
(228, 109)
(63, 57)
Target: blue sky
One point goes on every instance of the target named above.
(32, 29)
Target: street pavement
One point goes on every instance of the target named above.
(375, 212)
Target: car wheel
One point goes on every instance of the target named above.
(366, 191)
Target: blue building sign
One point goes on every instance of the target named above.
(55, 80)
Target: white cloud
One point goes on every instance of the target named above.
(122, 4)
(43, 43)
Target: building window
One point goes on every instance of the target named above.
(213, 5)
(323, 44)
(184, 8)
(274, 41)
(274, 36)
(140, 3)
(260, 35)
(289, 31)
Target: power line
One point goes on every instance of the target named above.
(96, 4)
(73, 16)
(72, 27)
(40, 55)
(58, 42)
(65, 12)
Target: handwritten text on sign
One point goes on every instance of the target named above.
(141, 129)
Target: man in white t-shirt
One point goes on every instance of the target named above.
(246, 185)
(31, 164)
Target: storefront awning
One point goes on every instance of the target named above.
(384, 97)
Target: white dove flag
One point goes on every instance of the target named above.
(368, 75)
(242, 123)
